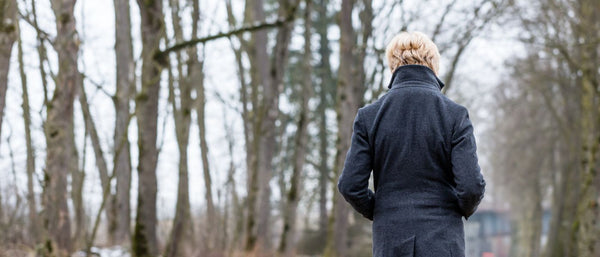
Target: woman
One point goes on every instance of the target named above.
(421, 149)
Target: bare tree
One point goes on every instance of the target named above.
(30, 166)
(8, 36)
(521, 169)
(144, 241)
(287, 244)
(182, 231)
(266, 84)
(196, 73)
(232, 242)
(349, 97)
(350, 94)
(105, 178)
(59, 132)
(41, 49)
(559, 79)
(181, 239)
(120, 224)
(338, 224)
(326, 96)
(483, 13)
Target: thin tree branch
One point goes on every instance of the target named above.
(33, 23)
(161, 55)
(193, 42)
(438, 27)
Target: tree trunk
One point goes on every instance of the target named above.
(288, 237)
(268, 76)
(196, 74)
(42, 56)
(105, 178)
(338, 224)
(529, 222)
(252, 131)
(181, 237)
(588, 207)
(8, 36)
(247, 96)
(350, 91)
(200, 109)
(58, 129)
(91, 130)
(556, 247)
(144, 241)
(238, 208)
(119, 207)
(258, 191)
(1, 211)
(30, 162)
(77, 179)
(232, 244)
(585, 226)
(326, 91)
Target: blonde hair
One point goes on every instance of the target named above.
(412, 48)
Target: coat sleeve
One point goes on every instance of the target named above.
(470, 185)
(353, 183)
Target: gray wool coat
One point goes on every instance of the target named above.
(421, 150)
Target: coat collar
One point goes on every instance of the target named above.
(408, 74)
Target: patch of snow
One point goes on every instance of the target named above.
(115, 251)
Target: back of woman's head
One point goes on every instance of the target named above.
(412, 48)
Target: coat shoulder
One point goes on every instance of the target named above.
(370, 108)
(454, 108)
(368, 112)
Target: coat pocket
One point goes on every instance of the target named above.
(404, 248)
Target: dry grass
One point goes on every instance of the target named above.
(16, 251)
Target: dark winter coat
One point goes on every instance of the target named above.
(421, 150)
